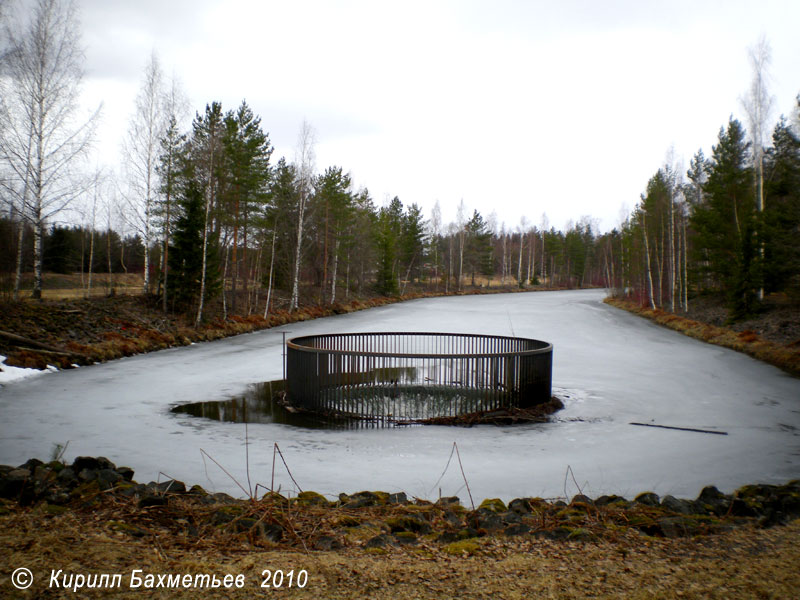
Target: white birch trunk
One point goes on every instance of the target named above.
(335, 269)
(271, 265)
(647, 257)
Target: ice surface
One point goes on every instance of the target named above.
(610, 367)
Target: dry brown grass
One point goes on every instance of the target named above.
(742, 563)
(786, 357)
(57, 286)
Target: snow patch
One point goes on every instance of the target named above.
(9, 374)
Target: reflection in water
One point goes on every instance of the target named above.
(261, 403)
(386, 401)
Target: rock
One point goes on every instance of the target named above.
(559, 533)
(673, 527)
(126, 473)
(198, 490)
(397, 498)
(132, 490)
(381, 541)
(31, 464)
(772, 504)
(172, 486)
(360, 499)
(91, 463)
(493, 504)
(57, 497)
(452, 518)
(580, 498)
(221, 498)
(409, 523)
(713, 501)
(683, 507)
(448, 500)
(311, 499)
(517, 529)
(327, 543)
(406, 538)
(149, 500)
(647, 498)
(613, 499)
(66, 476)
(85, 475)
(107, 478)
(510, 517)
(226, 514)
(448, 537)
(521, 506)
(485, 519)
(272, 532)
(14, 482)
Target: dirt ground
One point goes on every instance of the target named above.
(778, 320)
(742, 563)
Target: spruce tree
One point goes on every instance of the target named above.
(725, 221)
(186, 251)
(782, 212)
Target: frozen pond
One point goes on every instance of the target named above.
(610, 367)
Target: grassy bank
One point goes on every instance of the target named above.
(784, 356)
(92, 517)
(83, 331)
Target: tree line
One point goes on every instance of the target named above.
(207, 212)
(730, 227)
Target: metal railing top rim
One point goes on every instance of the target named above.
(297, 344)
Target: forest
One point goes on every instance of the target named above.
(207, 213)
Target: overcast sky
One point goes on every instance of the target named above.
(565, 108)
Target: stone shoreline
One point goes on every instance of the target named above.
(373, 521)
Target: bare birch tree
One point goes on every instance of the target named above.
(304, 161)
(757, 105)
(461, 222)
(40, 140)
(141, 150)
(434, 236)
(175, 107)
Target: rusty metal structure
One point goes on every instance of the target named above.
(416, 376)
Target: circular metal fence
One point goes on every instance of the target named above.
(416, 376)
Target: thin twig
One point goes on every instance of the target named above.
(287, 467)
(169, 477)
(452, 450)
(204, 453)
(566, 473)
(63, 450)
(247, 451)
(272, 483)
(458, 455)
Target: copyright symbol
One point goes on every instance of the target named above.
(22, 578)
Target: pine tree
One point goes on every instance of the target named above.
(412, 242)
(245, 170)
(725, 221)
(478, 247)
(782, 211)
(387, 234)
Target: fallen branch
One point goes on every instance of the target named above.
(45, 352)
(29, 342)
(681, 428)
